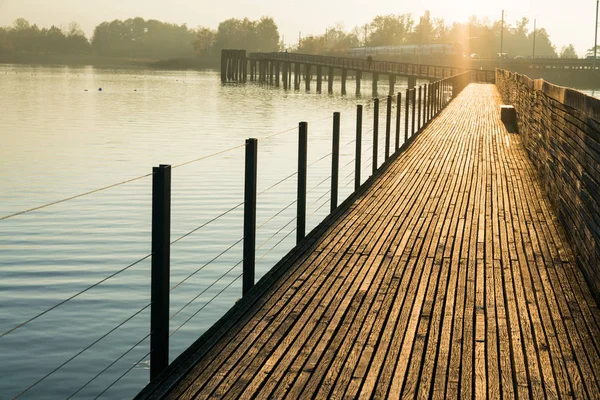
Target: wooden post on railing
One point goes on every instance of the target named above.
(302, 169)
(296, 76)
(308, 76)
(358, 78)
(374, 86)
(437, 98)
(344, 77)
(419, 107)
(330, 80)
(223, 66)
(398, 111)
(424, 116)
(388, 127)
(375, 134)
(414, 111)
(357, 164)
(161, 255)
(406, 115)
(319, 78)
(429, 101)
(335, 161)
(250, 214)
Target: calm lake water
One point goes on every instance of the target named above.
(62, 137)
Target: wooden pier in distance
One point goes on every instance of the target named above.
(448, 276)
(291, 69)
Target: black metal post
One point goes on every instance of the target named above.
(429, 102)
(398, 111)
(250, 215)
(420, 105)
(425, 97)
(161, 255)
(388, 124)
(414, 111)
(302, 169)
(375, 134)
(406, 110)
(335, 161)
(357, 165)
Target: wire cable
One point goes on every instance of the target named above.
(349, 143)
(207, 303)
(74, 296)
(321, 206)
(272, 217)
(275, 234)
(207, 264)
(121, 377)
(277, 244)
(201, 293)
(82, 351)
(207, 222)
(289, 130)
(316, 201)
(277, 183)
(75, 197)
(109, 366)
(208, 156)
(320, 183)
(348, 163)
(320, 159)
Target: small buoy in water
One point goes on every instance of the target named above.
(85, 90)
(99, 89)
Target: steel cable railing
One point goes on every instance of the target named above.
(201, 293)
(276, 233)
(109, 366)
(276, 244)
(83, 351)
(206, 264)
(276, 215)
(122, 375)
(74, 296)
(210, 301)
(207, 223)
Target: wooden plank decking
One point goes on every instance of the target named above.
(449, 277)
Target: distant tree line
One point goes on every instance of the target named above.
(152, 39)
(143, 39)
(476, 36)
(24, 37)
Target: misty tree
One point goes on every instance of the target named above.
(261, 35)
(204, 42)
(335, 39)
(22, 37)
(312, 45)
(139, 38)
(590, 51)
(385, 30)
(424, 31)
(568, 52)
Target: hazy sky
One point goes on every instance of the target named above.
(570, 21)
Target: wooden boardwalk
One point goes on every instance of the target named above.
(450, 277)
